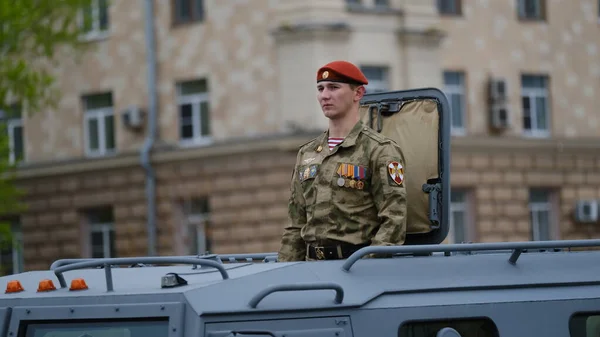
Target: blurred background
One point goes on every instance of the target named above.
(176, 123)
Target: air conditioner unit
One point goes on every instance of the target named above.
(586, 211)
(133, 117)
(499, 116)
(498, 91)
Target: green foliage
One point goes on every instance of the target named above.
(34, 35)
(31, 34)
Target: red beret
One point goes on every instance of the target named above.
(341, 71)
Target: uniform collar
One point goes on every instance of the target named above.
(349, 140)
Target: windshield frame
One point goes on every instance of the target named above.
(23, 316)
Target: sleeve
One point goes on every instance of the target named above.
(292, 244)
(389, 194)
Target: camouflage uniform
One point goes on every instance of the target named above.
(370, 207)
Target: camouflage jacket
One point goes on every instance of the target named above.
(354, 193)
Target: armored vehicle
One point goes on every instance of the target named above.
(425, 289)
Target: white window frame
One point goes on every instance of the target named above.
(535, 208)
(378, 84)
(521, 7)
(11, 125)
(532, 94)
(105, 229)
(384, 5)
(444, 10)
(195, 100)
(17, 250)
(99, 114)
(454, 89)
(456, 207)
(95, 32)
(197, 221)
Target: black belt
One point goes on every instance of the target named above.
(332, 252)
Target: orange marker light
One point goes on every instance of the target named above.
(14, 286)
(46, 285)
(78, 284)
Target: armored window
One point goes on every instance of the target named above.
(531, 9)
(94, 19)
(535, 105)
(149, 327)
(540, 208)
(186, 11)
(449, 7)
(378, 78)
(454, 88)
(467, 327)
(194, 112)
(584, 325)
(102, 232)
(99, 127)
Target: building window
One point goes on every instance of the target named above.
(382, 3)
(194, 112)
(531, 9)
(99, 125)
(378, 78)
(458, 231)
(94, 19)
(454, 88)
(14, 127)
(449, 7)
(534, 97)
(197, 222)
(102, 232)
(186, 11)
(540, 206)
(11, 252)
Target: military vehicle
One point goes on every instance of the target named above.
(426, 289)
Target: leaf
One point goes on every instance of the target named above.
(33, 36)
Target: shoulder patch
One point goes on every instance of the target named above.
(376, 136)
(396, 172)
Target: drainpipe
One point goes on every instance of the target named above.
(151, 127)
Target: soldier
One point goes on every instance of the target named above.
(347, 189)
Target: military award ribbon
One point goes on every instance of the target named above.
(355, 174)
(341, 172)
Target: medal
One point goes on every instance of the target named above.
(360, 185)
(352, 182)
(340, 181)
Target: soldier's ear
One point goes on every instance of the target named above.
(360, 92)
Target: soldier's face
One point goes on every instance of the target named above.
(337, 99)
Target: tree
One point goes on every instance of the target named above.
(32, 33)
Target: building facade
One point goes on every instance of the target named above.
(231, 86)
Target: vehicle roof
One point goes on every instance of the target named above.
(367, 279)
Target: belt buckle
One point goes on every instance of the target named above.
(320, 254)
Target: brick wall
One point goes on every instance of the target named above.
(248, 191)
(248, 198)
(500, 177)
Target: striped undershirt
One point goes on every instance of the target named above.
(332, 141)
